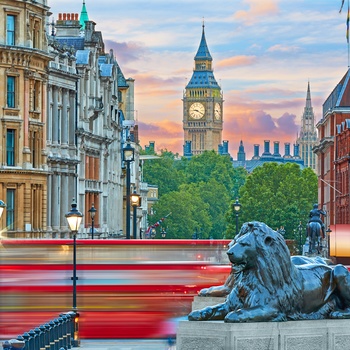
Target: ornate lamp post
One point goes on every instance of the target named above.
(128, 157)
(135, 202)
(300, 229)
(236, 207)
(328, 232)
(92, 212)
(163, 233)
(153, 232)
(74, 218)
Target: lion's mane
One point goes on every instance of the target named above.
(274, 270)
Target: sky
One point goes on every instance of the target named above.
(264, 54)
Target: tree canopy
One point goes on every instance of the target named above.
(277, 194)
(211, 182)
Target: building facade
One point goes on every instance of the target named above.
(202, 106)
(342, 172)
(267, 156)
(332, 159)
(307, 138)
(23, 79)
(102, 104)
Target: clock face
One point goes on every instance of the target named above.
(197, 110)
(217, 111)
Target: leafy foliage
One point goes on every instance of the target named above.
(209, 179)
(279, 195)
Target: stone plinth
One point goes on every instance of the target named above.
(292, 335)
(202, 302)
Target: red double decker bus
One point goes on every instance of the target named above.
(125, 288)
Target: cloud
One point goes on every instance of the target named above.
(166, 134)
(283, 48)
(126, 51)
(257, 10)
(236, 61)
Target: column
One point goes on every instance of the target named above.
(64, 207)
(55, 115)
(54, 203)
(49, 201)
(64, 121)
(72, 118)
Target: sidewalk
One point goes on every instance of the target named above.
(124, 344)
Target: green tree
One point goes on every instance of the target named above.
(210, 165)
(189, 213)
(277, 194)
(164, 173)
(209, 176)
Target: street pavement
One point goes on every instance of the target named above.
(125, 344)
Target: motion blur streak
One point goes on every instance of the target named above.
(126, 289)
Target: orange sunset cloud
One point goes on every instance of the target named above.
(236, 61)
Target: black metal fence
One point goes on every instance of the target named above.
(58, 334)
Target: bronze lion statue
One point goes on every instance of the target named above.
(268, 286)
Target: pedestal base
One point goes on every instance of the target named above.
(202, 302)
(292, 335)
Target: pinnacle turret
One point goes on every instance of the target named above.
(83, 16)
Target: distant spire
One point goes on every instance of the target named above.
(308, 95)
(83, 16)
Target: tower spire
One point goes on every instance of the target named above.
(203, 51)
(83, 16)
(307, 138)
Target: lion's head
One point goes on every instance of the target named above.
(260, 251)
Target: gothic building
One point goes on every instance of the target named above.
(267, 156)
(202, 106)
(307, 138)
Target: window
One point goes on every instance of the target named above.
(10, 29)
(10, 147)
(11, 92)
(34, 150)
(10, 209)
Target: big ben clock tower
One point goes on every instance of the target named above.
(203, 104)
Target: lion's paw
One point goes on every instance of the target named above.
(340, 314)
(201, 315)
(232, 317)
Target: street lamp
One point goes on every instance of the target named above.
(328, 232)
(128, 157)
(135, 202)
(300, 228)
(153, 233)
(74, 218)
(236, 207)
(92, 212)
(163, 233)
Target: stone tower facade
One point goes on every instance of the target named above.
(202, 105)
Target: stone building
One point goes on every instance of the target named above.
(23, 79)
(102, 102)
(267, 156)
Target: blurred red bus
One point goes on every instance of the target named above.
(125, 288)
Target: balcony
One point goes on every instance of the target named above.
(93, 186)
